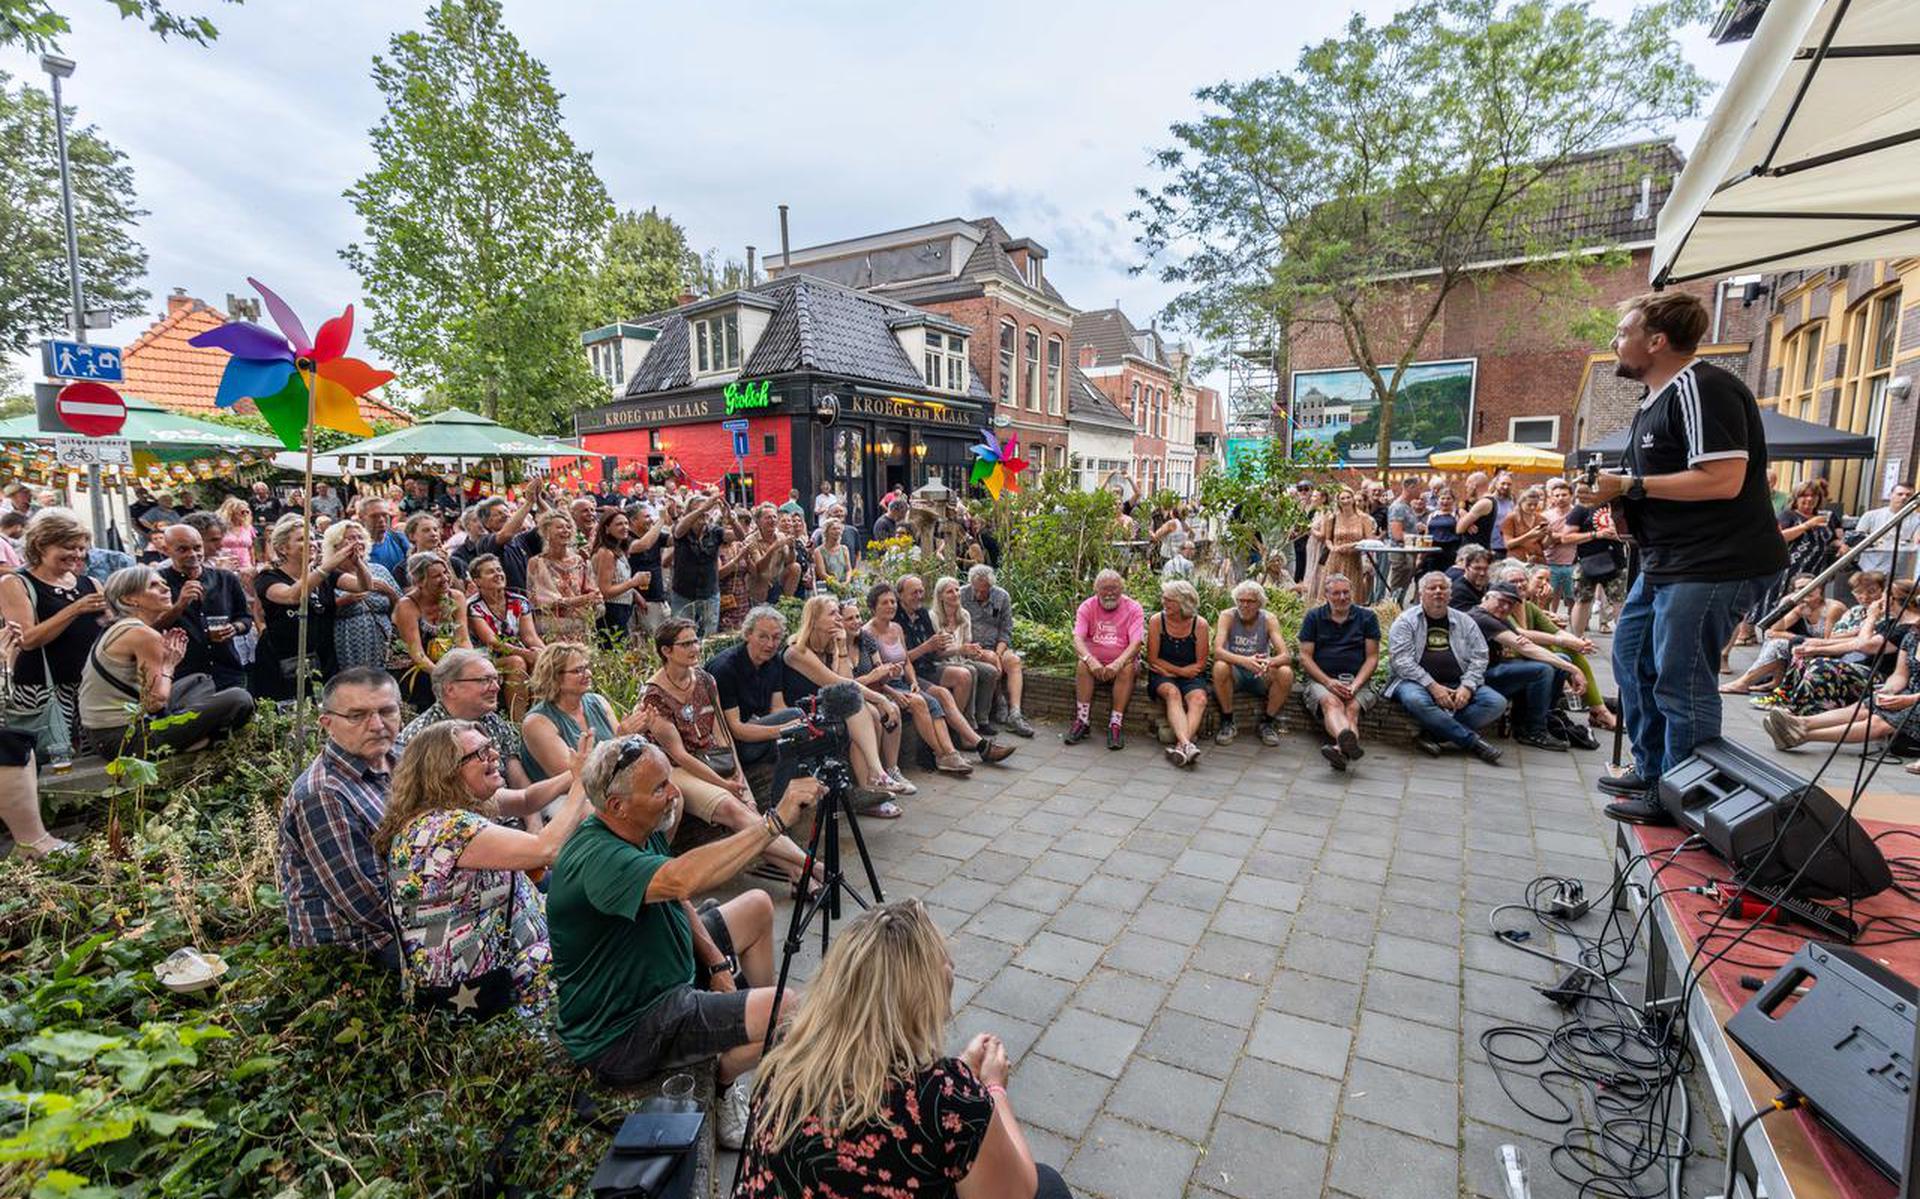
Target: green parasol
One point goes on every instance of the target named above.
(167, 435)
(457, 434)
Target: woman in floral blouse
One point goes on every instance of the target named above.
(859, 1098)
(563, 590)
(473, 930)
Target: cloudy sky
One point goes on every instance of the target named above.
(861, 116)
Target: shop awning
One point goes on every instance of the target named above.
(167, 435)
(1788, 440)
(1812, 156)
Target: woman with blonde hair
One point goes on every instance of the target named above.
(563, 591)
(429, 620)
(832, 560)
(1176, 658)
(565, 706)
(58, 610)
(362, 620)
(235, 552)
(1525, 528)
(816, 657)
(473, 930)
(1346, 527)
(863, 1065)
(283, 589)
(950, 616)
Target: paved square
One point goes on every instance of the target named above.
(1259, 978)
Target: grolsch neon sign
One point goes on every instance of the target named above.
(744, 397)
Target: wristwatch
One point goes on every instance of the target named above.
(1636, 488)
(716, 969)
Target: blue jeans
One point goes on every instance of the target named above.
(1666, 659)
(1458, 727)
(704, 613)
(1529, 685)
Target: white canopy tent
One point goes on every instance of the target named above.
(1812, 156)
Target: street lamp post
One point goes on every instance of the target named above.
(58, 68)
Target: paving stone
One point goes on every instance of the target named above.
(1321, 955)
(1040, 894)
(1169, 922)
(963, 894)
(1480, 1155)
(1219, 867)
(1314, 997)
(1352, 893)
(1380, 1163)
(1062, 957)
(955, 845)
(1063, 868)
(1409, 1102)
(1421, 924)
(1335, 923)
(1188, 891)
(1003, 922)
(1193, 1043)
(993, 867)
(1234, 957)
(1266, 893)
(1288, 1099)
(1022, 993)
(1305, 1044)
(1138, 953)
(970, 1022)
(1055, 1095)
(1423, 959)
(1156, 842)
(1126, 863)
(1166, 1097)
(1122, 894)
(976, 957)
(1091, 1041)
(1421, 1048)
(1089, 922)
(1222, 999)
(1125, 1161)
(1413, 998)
(1120, 995)
(1254, 1162)
(1255, 924)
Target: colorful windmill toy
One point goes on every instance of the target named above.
(280, 371)
(997, 464)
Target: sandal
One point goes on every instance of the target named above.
(1735, 689)
(885, 811)
(1913, 767)
(1602, 718)
(46, 847)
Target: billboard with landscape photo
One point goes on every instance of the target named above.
(1433, 411)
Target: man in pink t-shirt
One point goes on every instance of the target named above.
(1108, 631)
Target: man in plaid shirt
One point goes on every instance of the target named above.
(334, 884)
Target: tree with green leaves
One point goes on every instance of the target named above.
(35, 299)
(37, 25)
(484, 223)
(1360, 190)
(647, 265)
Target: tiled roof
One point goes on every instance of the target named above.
(1088, 403)
(1113, 336)
(817, 325)
(163, 368)
(990, 258)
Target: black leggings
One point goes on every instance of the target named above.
(1051, 1185)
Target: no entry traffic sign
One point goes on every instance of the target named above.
(91, 409)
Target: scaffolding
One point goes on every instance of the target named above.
(1256, 401)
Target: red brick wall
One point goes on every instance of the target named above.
(705, 451)
(1147, 448)
(983, 314)
(1529, 362)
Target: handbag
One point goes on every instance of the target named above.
(719, 758)
(47, 724)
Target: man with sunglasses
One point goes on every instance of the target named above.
(645, 982)
(466, 686)
(335, 885)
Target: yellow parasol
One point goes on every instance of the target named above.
(1501, 455)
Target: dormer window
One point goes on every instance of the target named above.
(946, 361)
(716, 344)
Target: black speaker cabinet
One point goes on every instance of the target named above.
(1740, 803)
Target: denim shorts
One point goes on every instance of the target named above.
(1245, 682)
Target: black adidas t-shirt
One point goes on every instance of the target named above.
(1703, 414)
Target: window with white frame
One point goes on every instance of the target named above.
(1535, 430)
(1008, 337)
(1055, 351)
(1033, 368)
(716, 344)
(1139, 413)
(946, 360)
(956, 362)
(1163, 412)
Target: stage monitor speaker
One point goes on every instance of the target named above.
(1838, 1027)
(1740, 803)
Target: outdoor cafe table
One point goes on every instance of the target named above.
(1384, 552)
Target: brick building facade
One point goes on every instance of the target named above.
(976, 273)
(1131, 367)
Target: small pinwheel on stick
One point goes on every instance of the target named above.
(280, 371)
(997, 464)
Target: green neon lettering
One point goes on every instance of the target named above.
(741, 396)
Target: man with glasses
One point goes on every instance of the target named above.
(645, 983)
(466, 686)
(334, 883)
(389, 546)
(751, 678)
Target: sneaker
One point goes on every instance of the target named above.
(1189, 753)
(1427, 745)
(992, 751)
(1334, 757)
(1017, 724)
(1539, 740)
(953, 764)
(1629, 784)
(1225, 733)
(1350, 746)
(1076, 732)
(1784, 727)
(1641, 810)
(901, 784)
(1485, 750)
(1174, 755)
(731, 1124)
(1269, 731)
(1116, 737)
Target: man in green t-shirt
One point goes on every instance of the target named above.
(644, 982)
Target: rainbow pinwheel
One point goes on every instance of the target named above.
(278, 371)
(997, 464)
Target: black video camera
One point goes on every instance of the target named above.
(819, 745)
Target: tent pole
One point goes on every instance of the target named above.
(306, 603)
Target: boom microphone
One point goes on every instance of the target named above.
(838, 702)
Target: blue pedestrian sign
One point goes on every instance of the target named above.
(81, 360)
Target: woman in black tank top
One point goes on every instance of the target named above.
(1176, 654)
